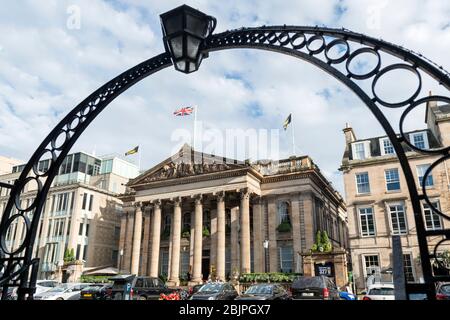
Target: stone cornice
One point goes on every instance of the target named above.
(375, 161)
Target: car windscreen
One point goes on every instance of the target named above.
(310, 282)
(119, 284)
(211, 288)
(445, 289)
(259, 290)
(61, 288)
(381, 292)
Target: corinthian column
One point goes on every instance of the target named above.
(136, 252)
(245, 231)
(156, 238)
(198, 238)
(174, 279)
(220, 264)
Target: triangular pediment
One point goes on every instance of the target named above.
(187, 162)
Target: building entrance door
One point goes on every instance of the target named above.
(205, 264)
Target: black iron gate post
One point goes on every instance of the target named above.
(188, 40)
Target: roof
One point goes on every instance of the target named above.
(375, 150)
(100, 271)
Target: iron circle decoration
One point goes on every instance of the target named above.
(311, 40)
(283, 38)
(424, 188)
(73, 123)
(368, 74)
(444, 150)
(36, 164)
(298, 46)
(22, 246)
(62, 133)
(340, 59)
(397, 66)
(272, 37)
(435, 254)
(21, 188)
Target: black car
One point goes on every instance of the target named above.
(265, 291)
(194, 289)
(443, 291)
(97, 292)
(141, 288)
(215, 291)
(314, 288)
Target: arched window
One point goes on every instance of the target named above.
(283, 212)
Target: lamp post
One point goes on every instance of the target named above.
(266, 256)
(184, 30)
(120, 260)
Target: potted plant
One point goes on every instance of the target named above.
(284, 226)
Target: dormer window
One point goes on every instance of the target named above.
(419, 140)
(386, 146)
(361, 150)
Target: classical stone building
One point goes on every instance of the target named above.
(82, 212)
(214, 216)
(378, 201)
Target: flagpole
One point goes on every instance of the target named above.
(139, 158)
(293, 136)
(195, 126)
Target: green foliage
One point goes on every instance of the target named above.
(268, 277)
(444, 258)
(69, 255)
(284, 227)
(323, 243)
(163, 277)
(186, 233)
(95, 279)
(206, 231)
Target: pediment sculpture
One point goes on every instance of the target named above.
(183, 169)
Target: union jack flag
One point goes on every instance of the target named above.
(184, 111)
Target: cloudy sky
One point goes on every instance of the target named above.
(54, 53)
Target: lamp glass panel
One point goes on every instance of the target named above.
(196, 25)
(192, 66)
(176, 43)
(181, 65)
(193, 44)
(173, 23)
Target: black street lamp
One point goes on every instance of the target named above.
(184, 30)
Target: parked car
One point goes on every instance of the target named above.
(265, 291)
(98, 291)
(195, 289)
(380, 291)
(11, 295)
(314, 288)
(65, 291)
(45, 285)
(142, 288)
(443, 291)
(215, 291)
(344, 295)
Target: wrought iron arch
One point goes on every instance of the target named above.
(20, 269)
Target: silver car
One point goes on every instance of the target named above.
(65, 291)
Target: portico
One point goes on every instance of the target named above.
(194, 221)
